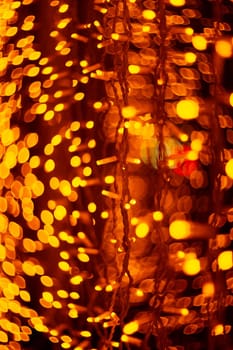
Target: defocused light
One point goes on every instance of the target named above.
(179, 229)
(208, 289)
(225, 260)
(131, 327)
(224, 48)
(199, 42)
(187, 109)
(129, 112)
(142, 230)
(191, 266)
(229, 168)
(177, 2)
(190, 57)
(158, 216)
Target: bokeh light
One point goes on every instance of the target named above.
(116, 174)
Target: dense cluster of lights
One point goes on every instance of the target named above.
(116, 173)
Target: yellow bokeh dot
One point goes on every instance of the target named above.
(40, 108)
(63, 8)
(49, 165)
(208, 289)
(229, 168)
(42, 235)
(142, 230)
(91, 207)
(187, 109)
(11, 31)
(34, 162)
(231, 99)
(79, 96)
(8, 268)
(49, 115)
(76, 280)
(196, 145)
(97, 104)
(54, 183)
(109, 179)
(223, 48)
(2, 252)
(75, 126)
(3, 204)
(129, 112)
(23, 155)
(75, 161)
(131, 327)
(8, 14)
(225, 260)
(29, 245)
(38, 188)
(10, 89)
(179, 229)
(83, 257)
(85, 334)
(33, 71)
(3, 338)
(199, 42)
(15, 229)
(133, 69)
(25, 295)
(157, 215)
(56, 140)
(53, 241)
(46, 281)
(47, 296)
(87, 171)
(177, 2)
(31, 139)
(65, 188)
(46, 217)
(190, 57)
(60, 212)
(189, 31)
(64, 266)
(7, 137)
(191, 266)
(148, 14)
(218, 330)
(62, 293)
(59, 107)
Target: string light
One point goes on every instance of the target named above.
(116, 174)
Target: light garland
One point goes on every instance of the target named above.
(115, 174)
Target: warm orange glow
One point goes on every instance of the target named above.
(225, 260)
(142, 230)
(129, 112)
(177, 2)
(158, 216)
(60, 212)
(180, 229)
(134, 69)
(224, 48)
(148, 14)
(229, 168)
(199, 42)
(190, 57)
(131, 327)
(187, 109)
(116, 174)
(208, 289)
(191, 266)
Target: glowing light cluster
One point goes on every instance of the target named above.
(116, 171)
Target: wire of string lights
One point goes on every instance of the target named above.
(116, 173)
